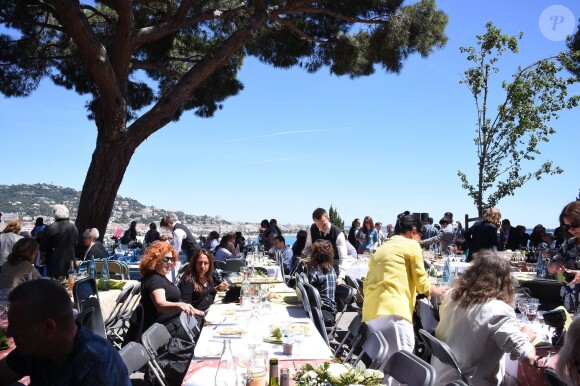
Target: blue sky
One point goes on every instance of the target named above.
(292, 141)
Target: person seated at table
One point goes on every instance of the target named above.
(8, 238)
(239, 242)
(539, 238)
(459, 247)
(50, 347)
(479, 324)
(523, 237)
(225, 250)
(20, 264)
(567, 257)
(152, 234)
(130, 234)
(213, 240)
(200, 281)
(568, 365)
(285, 252)
(95, 248)
(160, 298)
(300, 242)
(322, 276)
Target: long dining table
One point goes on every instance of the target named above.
(231, 321)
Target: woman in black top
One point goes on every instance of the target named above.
(160, 298)
(200, 281)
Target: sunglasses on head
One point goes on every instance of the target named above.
(167, 259)
(573, 225)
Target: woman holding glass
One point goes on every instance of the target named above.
(160, 298)
(396, 275)
(479, 324)
(200, 281)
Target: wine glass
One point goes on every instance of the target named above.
(532, 311)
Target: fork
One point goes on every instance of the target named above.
(217, 325)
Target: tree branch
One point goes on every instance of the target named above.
(121, 50)
(96, 12)
(327, 12)
(160, 68)
(299, 32)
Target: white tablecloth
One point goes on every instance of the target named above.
(461, 266)
(210, 342)
(356, 268)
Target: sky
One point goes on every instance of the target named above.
(291, 141)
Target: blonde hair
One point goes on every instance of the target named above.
(493, 215)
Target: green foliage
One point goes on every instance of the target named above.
(142, 64)
(335, 217)
(512, 134)
(573, 63)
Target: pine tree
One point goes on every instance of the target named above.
(335, 218)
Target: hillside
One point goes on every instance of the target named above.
(31, 201)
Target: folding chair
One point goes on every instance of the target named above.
(280, 262)
(552, 379)
(190, 325)
(352, 338)
(117, 323)
(83, 317)
(344, 296)
(442, 351)
(153, 339)
(409, 369)
(316, 311)
(86, 296)
(457, 382)
(303, 297)
(134, 356)
(180, 272)
(352, 282)
(375, 347)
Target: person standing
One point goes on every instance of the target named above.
(367, 236)
(59, 242)
(39, 226)
(183, 239)
(8, 238)
(352, 232)
(483, 234)
(396, 275)
(445, 237)
(324, 229)
(379, 228)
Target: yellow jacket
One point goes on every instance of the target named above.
(396, 274)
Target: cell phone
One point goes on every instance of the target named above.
(568, 277)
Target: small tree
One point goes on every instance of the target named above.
(335, 217)
(511, 135)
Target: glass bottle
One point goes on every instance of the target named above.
(446, 272)
(245, 291)
(92, 268)
(274, 373)
(105, 277)
(226, 374)
(284, 376)
(71, 275)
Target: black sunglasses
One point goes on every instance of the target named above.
(573, 225)
(167, 259)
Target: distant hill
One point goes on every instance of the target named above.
(31, 201)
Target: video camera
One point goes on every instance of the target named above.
(556, 319)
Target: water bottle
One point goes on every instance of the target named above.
(226, 374)
(105, 282)
(71, 275)
(92, 268)
(446, 272)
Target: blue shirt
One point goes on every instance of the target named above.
(287, 256)
(92, 361)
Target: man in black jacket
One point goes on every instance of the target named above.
(183, 239)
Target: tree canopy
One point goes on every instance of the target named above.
(335, 218)
(143, 63)
(511, 134)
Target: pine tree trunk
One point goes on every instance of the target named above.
(104, 176)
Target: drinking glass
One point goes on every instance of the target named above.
(532, 311)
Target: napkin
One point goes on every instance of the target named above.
(273, 340)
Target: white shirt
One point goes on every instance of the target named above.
(479, 336)
(340, 245)
(178, 236)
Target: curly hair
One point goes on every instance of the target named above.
(492, 215)
(60, 212)
(488, 278)
(153, 254)
(13, 226)
(321, 256)
(24, 249)
(568, 366)
(191, 274)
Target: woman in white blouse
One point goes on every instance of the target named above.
(478, 323)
